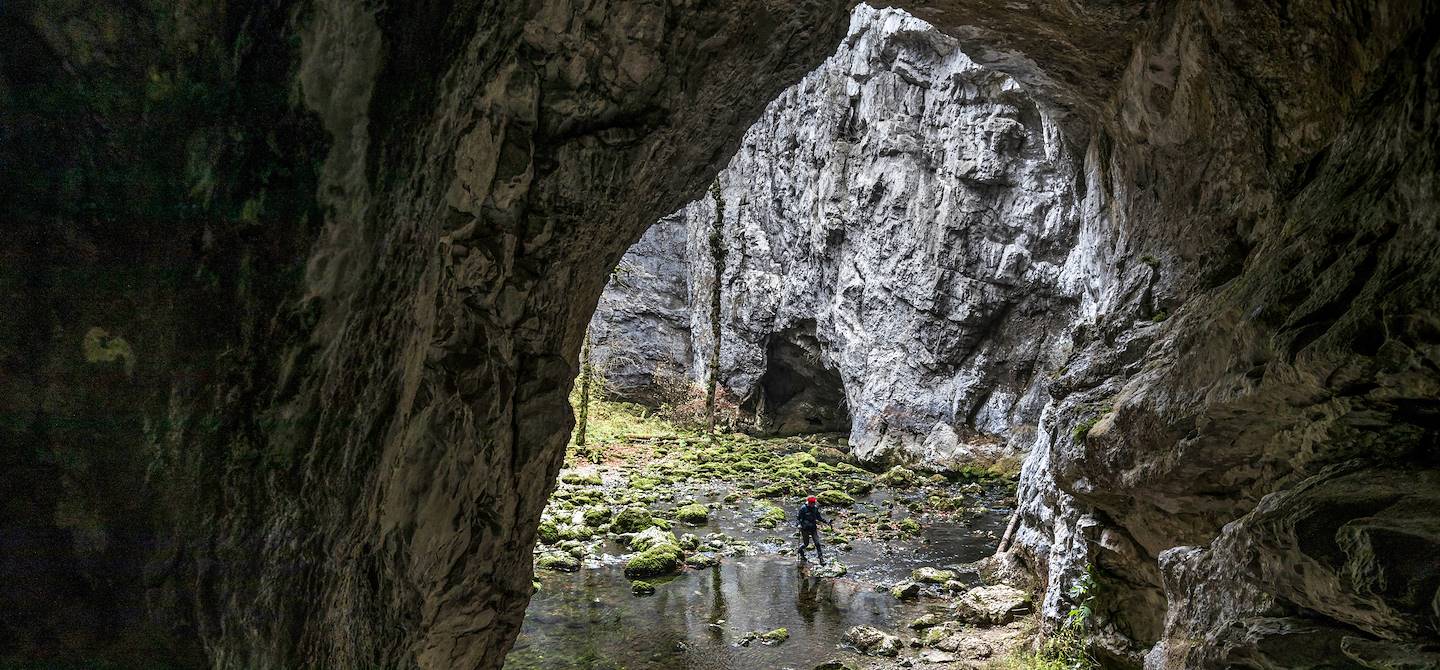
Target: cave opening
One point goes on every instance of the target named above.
(798, 394)
(298, 292)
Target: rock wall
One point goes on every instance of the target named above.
(910, 213)
(298, 291)
(1245, 414)
(295, 295)
(1248, 363)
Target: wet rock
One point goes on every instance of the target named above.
(661, 559)
(832, 569)
(905, 590)
(631, 520)
(837, 664)
(835, 498)
(937, 656)
(701, 561)
(597, 516)
(642, 588)
(558, 561)
(929, 575)
(767, 638)
(926, 621)
(694, 513)
(873, 641)
(992, 605)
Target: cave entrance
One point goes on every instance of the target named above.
(798, 394)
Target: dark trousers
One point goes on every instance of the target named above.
(808, 535)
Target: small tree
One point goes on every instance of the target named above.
(587, 376)
(717, 267)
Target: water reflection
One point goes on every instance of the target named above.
(590, 621)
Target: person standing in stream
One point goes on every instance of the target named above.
(809, 520)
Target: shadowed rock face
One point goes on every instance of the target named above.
(296, 296)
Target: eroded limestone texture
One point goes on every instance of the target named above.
(351, 252)
(913, 215)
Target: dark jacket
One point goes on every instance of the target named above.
(809, 517)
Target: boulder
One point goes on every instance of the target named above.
(932, 575)
(992, 605)
(872, 641)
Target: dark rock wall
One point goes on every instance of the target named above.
(295, 292)
(320, 432)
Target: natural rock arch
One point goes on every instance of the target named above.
(368, 241)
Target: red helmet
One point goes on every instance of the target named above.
(811, 499)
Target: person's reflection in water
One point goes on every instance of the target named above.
(718, 610)
(807, 597)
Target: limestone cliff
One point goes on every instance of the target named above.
(900, 219)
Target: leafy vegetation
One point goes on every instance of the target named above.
(1069, 647)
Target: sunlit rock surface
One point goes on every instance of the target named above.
(901, 214)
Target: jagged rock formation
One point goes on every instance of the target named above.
(901, 219)
(342, 258)
(295, 299)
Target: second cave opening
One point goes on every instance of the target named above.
(798, 394)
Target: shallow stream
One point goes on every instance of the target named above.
(588, 620)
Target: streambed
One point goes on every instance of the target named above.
(589, 620)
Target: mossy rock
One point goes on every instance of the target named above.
(926, 621)
(835, 498)
(631, 520)
(899, 477)
(774, 490)
(905, 591)
(798, 460)
(661, 559)
(770, 517)
(576, 532)
(582, 479)
(931, 575)
(694, 513)
(559, 561)
(642, 588)
(909, 525)
(548, 532)
(598, 515)
(775, 637)
(650, 537)
(689, 542)
(701, 561)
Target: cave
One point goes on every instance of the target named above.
(797, 394)
(296, 293)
